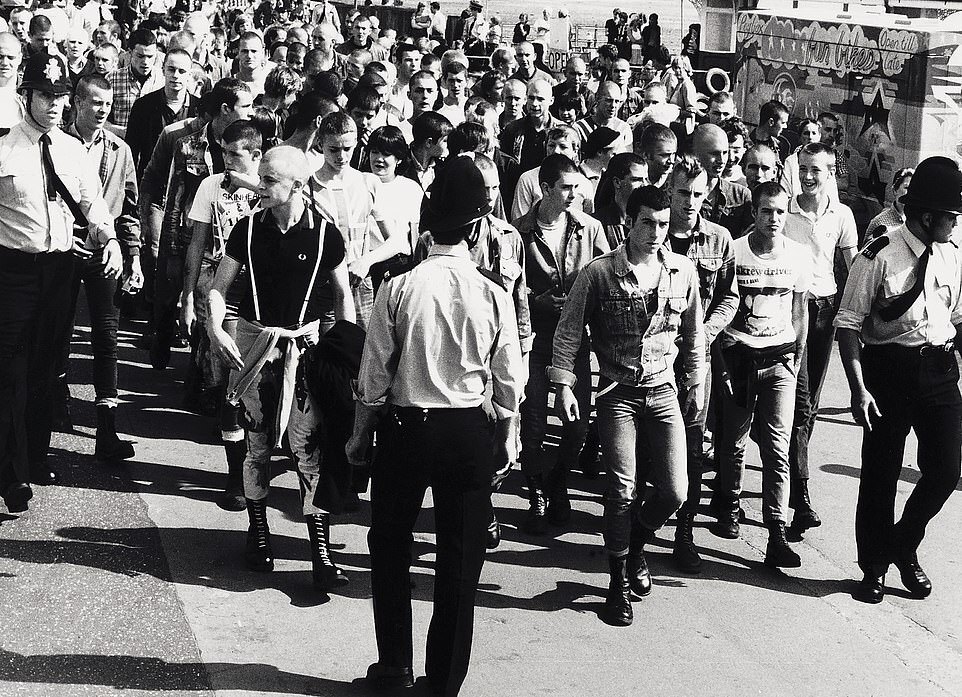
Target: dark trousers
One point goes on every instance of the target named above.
(912, 392)
(34, 318)
(811, 377)
(104, 308)
(452, 452)
(168, 284)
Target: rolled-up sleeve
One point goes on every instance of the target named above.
(507, 369)
(862, 286)
(99, 221)
(579, 304)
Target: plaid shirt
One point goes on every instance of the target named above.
(127, 89)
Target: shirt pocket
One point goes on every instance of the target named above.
(707, 275)
(897, 284)
(674, 307)
(616, 315)
(15, 184)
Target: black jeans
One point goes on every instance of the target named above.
(912, 392)
(34, 305)
(451, 451)
(811, 377)
(168, 284)
(103, 303)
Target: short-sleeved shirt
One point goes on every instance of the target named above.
(822, 232)
(766, 288)
(281, 266)
(221, 209)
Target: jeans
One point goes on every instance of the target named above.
(34, 319)
(168, 284)
(916, 393)
(451, 451)
(103, 303)
(534, 411)
(765, 392)
(641, 424)
(811, 377)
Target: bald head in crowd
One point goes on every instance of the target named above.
(710, 146)
(284, 163)
(11, 55)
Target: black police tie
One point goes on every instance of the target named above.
(55, 184)
(903, 302)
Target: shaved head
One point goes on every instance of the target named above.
(287, 162)
(708, 135)
(10, 42)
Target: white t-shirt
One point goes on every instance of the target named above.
(554, 234)
(766, 287)
(401, 202)
(453, 113)
(221, 209)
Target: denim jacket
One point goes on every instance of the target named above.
(607, 298)
(714, 258)
(584, 239)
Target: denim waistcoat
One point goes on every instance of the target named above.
(607, 298)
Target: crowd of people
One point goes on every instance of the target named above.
(387, 264)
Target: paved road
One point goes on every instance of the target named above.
(130, 581)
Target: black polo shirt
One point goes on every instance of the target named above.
(281, 265)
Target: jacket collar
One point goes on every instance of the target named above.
(623, 268)
(528, 223)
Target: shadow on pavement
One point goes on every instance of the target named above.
(908, 474)
(158, 675)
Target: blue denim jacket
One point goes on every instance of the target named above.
(607, 298)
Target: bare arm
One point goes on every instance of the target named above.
(864, 408)
(192, 262)
(800, 323)
(343, 298)
(221, 342)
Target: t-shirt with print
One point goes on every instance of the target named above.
(765, 288)
(281, 265)
(221, 209)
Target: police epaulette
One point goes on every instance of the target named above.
(4, 131)
(492, 276)
(875, 246)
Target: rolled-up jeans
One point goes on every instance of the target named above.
(534, 411)
(639, 424)
(765, 393)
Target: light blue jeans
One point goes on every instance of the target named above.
(641, 424)
(765, 393)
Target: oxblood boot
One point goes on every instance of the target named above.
(109, 447)
(639, 577)
(537, 505)
(258, 555)
(685, 553)
(779, 554)
(617, 610)
(805, 517)
(233, 497)
(327, 576)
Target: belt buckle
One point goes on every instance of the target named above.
(929, 349)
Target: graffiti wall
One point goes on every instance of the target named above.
(898, 93)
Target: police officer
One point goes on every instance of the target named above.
(897, 328)
(437, 335)
(45, 186)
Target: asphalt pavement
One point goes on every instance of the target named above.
(130, 580)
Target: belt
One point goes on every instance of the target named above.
(930, 350)
(17, 256)
(419, 414)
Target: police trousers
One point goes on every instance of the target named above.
(450, 450)
(913, 391)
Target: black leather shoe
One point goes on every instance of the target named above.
(871, 589)
(16, 497)
(383, 677)
(914, 578)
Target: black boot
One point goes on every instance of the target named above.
(534, 521)
(589, 461)
(685, 553)
(639, 577)
(804, 518)
(109, 448)
(559, 505)
(327, 576)
(779, 554)
(259, 556)
(494, 532)
(617, 610)
(233, 497)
